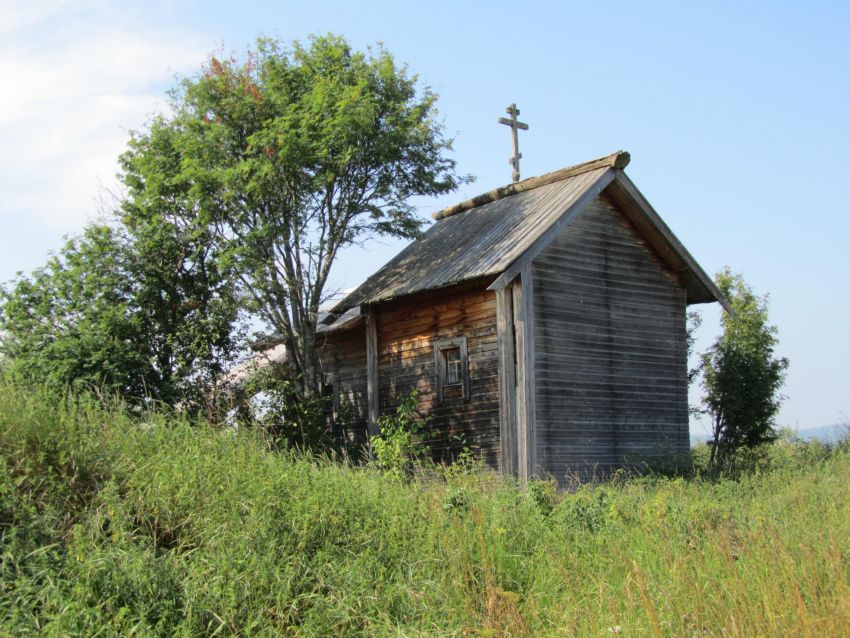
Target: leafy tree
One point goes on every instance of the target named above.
(186, 296)
(693, 323)
(72, 321)
(134, 311)
(741, 374)
(283, 159)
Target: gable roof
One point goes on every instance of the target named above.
(496, 233)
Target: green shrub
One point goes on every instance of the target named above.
(278, 407)
(397, 446)
(543, 495)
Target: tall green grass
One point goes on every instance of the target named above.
(112, 526)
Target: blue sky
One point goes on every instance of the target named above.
(736, 116)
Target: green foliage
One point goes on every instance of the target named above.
(786, 451)
(543, 494)
(73, 323)
(290, 420)
(693, 323)
(741, 374)
(397, 446)
(186, 296)
(456, 501)
(285, 157)
(158, 526)
(135, 310)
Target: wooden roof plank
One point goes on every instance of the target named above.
(618, 160)
(553, 230)
(502, 231)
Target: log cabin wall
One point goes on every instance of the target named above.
(610, 350)
(343, 356)
(407, 331)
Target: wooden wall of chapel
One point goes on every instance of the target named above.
(610, 351)
(407, 332)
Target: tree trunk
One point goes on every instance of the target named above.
(715, 444)
(306, 364)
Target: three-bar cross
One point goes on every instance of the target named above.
(515, 125)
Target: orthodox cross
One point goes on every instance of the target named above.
(515, 125)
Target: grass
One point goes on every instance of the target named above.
(112, 526)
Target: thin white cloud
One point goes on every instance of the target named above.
(78, 76)
(15, 15)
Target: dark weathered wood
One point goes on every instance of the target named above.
(372, 376)
(618, 160)
(516, 126)
(506, 228)
(523, 306)
(507, 380)
(407, 336)
(439, 346)
(479, 245)
(610, 355)
(553, 231)
(527, 314)
(343, 358)
(575, 351)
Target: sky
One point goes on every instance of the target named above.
(735, 115)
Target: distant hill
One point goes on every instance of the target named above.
(824, 434)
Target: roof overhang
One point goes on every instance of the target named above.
(571, 213)
(615, 183)
(468, 242)
(331, 323)
(699, 286)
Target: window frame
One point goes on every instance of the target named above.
(442, 374)
(454, 367)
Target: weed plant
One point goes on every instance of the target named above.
(119, 525)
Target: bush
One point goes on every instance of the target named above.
(277, 406)
(398, 446)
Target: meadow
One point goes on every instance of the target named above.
(114, 524)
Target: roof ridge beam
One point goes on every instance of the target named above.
(618, 160)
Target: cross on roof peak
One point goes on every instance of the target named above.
(515, 125)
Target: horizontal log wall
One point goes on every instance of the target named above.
(343, 355)
(407, 331)
(610, 351)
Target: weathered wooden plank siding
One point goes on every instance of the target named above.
(507, 381)
(406, 332)
(610, 352)
(343, 354)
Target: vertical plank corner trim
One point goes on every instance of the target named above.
(523, 300)
(507, 381)
(529, 363)
(372, 367)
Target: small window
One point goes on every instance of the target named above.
(454, 376)
(452, 366)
